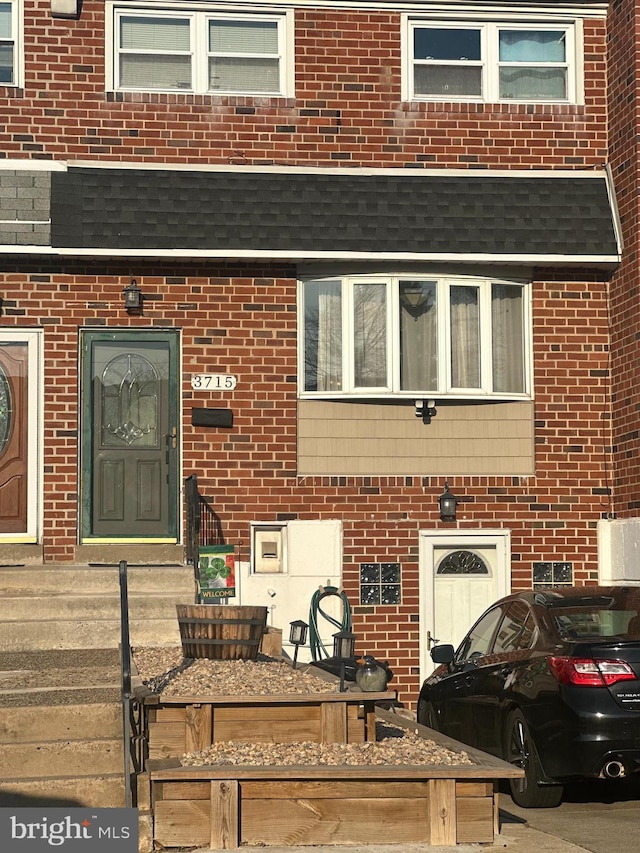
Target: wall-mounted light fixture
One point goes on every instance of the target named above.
(426, 409)
(297, 637)
(448, 503)
(132, 296)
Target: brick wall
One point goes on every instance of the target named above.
(624, 38)
(347, 108)
(242, 319)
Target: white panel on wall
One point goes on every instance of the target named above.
(619, 551)
(315, 548)
(313, 559)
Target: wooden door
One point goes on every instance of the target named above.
(131, 436)
(14, 437)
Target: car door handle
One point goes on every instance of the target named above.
(505, 671)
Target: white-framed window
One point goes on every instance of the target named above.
(10, 26)
(492, 62)
(410, 336)
(201, 51)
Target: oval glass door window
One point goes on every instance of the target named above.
(6, 411)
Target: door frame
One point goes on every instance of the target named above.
(455, 539)
(35, 426)
(137, 336)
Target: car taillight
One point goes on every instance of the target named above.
(590, 672)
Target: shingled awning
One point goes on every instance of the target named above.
(541, 218)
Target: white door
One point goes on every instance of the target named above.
(461, 574)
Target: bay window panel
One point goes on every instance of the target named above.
(418, 336)
(241, 74)
(507, 323)
(323, 336)
(370, 335)
(465, 336)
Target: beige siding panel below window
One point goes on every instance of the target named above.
(355, 438)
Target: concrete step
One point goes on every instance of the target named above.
(86, 634)
(59, 579)
(23, 608)
(78, 607)
(106, 791)
(62, 759)
(31, 723)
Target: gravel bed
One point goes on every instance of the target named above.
(395, 747)
(165, 670)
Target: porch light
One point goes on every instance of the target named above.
(448, 503)
(298, 637)
(132, 296)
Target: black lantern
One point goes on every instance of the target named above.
(132, 296)
(448, 503)
(343, 644)
(297, 637)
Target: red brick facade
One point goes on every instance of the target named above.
(241, 319)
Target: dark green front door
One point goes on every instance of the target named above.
(130, 440)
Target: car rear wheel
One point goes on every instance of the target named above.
(520, 750)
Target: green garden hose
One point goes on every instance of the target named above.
(316, 645)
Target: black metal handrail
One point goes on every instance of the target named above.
(125, 672)
(202, 523)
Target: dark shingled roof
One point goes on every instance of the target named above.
(313, 213)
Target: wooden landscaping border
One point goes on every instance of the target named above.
(178, 724)
(224, 807)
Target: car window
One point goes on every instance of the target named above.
(478, 640)
(595, 616)
(516, 630)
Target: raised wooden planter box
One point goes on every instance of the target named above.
(225, 807)
(179, 724)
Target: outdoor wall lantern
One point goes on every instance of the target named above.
(448, 503)
(132, 296)
(298, 637)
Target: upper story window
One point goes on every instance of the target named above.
(408, 336)
(9, 15)
(492, 62)
(201, 51)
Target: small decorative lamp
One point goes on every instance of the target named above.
(448, 503)
(343, 644)
(297, 637)
(132, 296)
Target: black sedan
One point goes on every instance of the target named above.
(548, 680)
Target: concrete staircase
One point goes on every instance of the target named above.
(61, 723)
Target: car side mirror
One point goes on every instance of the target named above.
(443, 653)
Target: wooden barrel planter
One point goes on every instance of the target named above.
(221, 632)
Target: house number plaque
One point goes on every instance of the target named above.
(213, 382)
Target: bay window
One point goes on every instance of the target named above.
(406, 335)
